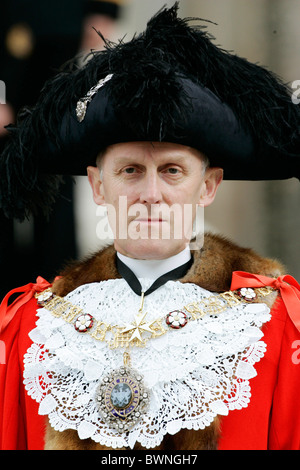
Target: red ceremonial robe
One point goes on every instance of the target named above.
(270, 421)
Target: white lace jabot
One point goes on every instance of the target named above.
(193, 373)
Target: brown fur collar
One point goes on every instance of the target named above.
(212, 269)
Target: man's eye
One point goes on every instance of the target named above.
(173, 171)
(130, 170)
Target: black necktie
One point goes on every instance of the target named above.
(135, 284)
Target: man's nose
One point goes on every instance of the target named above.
(151, 189)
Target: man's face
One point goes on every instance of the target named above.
(151, 191)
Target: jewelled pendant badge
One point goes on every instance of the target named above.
(122, 397)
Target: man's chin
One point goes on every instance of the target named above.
(150, 249)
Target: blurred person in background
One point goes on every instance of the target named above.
(36, 38)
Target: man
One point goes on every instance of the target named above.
(148, 343)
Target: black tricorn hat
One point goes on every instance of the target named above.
(170, 83)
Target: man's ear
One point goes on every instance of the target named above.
(211, 181)
(93, 174)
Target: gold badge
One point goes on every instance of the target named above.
(122, 397)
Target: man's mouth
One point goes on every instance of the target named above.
(150, 220)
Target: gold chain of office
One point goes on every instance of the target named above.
(139, 332)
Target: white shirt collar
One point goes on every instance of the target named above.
(153, 269)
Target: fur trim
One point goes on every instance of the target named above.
(212, 268)
(205, 439)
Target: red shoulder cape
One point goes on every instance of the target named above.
(271, 420)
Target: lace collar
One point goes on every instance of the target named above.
(193, 373)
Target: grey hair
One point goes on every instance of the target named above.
(205, 162)
(98, 163)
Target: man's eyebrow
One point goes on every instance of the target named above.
(166, 157)
(124, 159)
